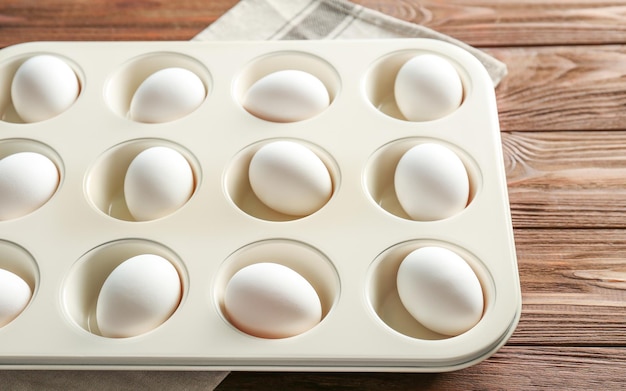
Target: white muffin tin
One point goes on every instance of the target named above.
(349, 250)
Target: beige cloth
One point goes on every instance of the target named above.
(248, 20)
(324, 19)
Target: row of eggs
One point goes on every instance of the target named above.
(426, 87)
(267, 300)
(430, 181)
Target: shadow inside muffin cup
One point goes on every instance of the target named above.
(104, 183)
(380, 170)
(19, 261)
(18, 145)
(305, 260)
(287, 60)
(9, 67)
(82, 285)
(239, 190)
(380, 81)
(384, 299)
(123, 83)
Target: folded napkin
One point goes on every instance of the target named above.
(324, 19)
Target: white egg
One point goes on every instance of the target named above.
(158, 182)
(138, 296)
(269, 300)
(440, 290)
(27, 181)
(166, 95)
(43, 87)
(289, 178)
(14, 296)
(427, 87)
(431, 182)
(287, 96)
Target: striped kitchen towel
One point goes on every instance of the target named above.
(324, 19)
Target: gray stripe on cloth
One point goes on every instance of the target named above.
(321, 21)
(325, 19)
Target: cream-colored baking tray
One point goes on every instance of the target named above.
(349, 250)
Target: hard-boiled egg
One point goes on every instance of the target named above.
(27, 181)
(287, 96)
(159, 180)
(43, 87)
(289, 178)
(440, 290)
(270, 300)
(139, 295)
(15, 294)
(427, 87)
(431, 182)
(166, 95)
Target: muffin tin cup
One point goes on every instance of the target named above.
(349, 249)
(104, 183)
(86, 277)
(239, 190)
(9, 66)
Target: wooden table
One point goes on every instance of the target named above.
(563, 117)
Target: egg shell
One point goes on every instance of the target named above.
(287, 96)
(27, 181)
(427, 87)
(43, 87)
(431, 182)
(139, 295)
(290, 178)
(167, 95)
(15, 294)
(269, 300)
(440, 290)
(159, 181)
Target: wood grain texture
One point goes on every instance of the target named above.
(479, 23)
(573, 287)
(562, 88)
(515, 23)
(512, 368)
(61, 20)
(562, 112)
(566, 179)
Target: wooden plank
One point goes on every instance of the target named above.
(512, 368)
(515, 23)
(12, 36)
(24, 21)
(566, 179)
(562, 88)
(480, 23)
(573, 287)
